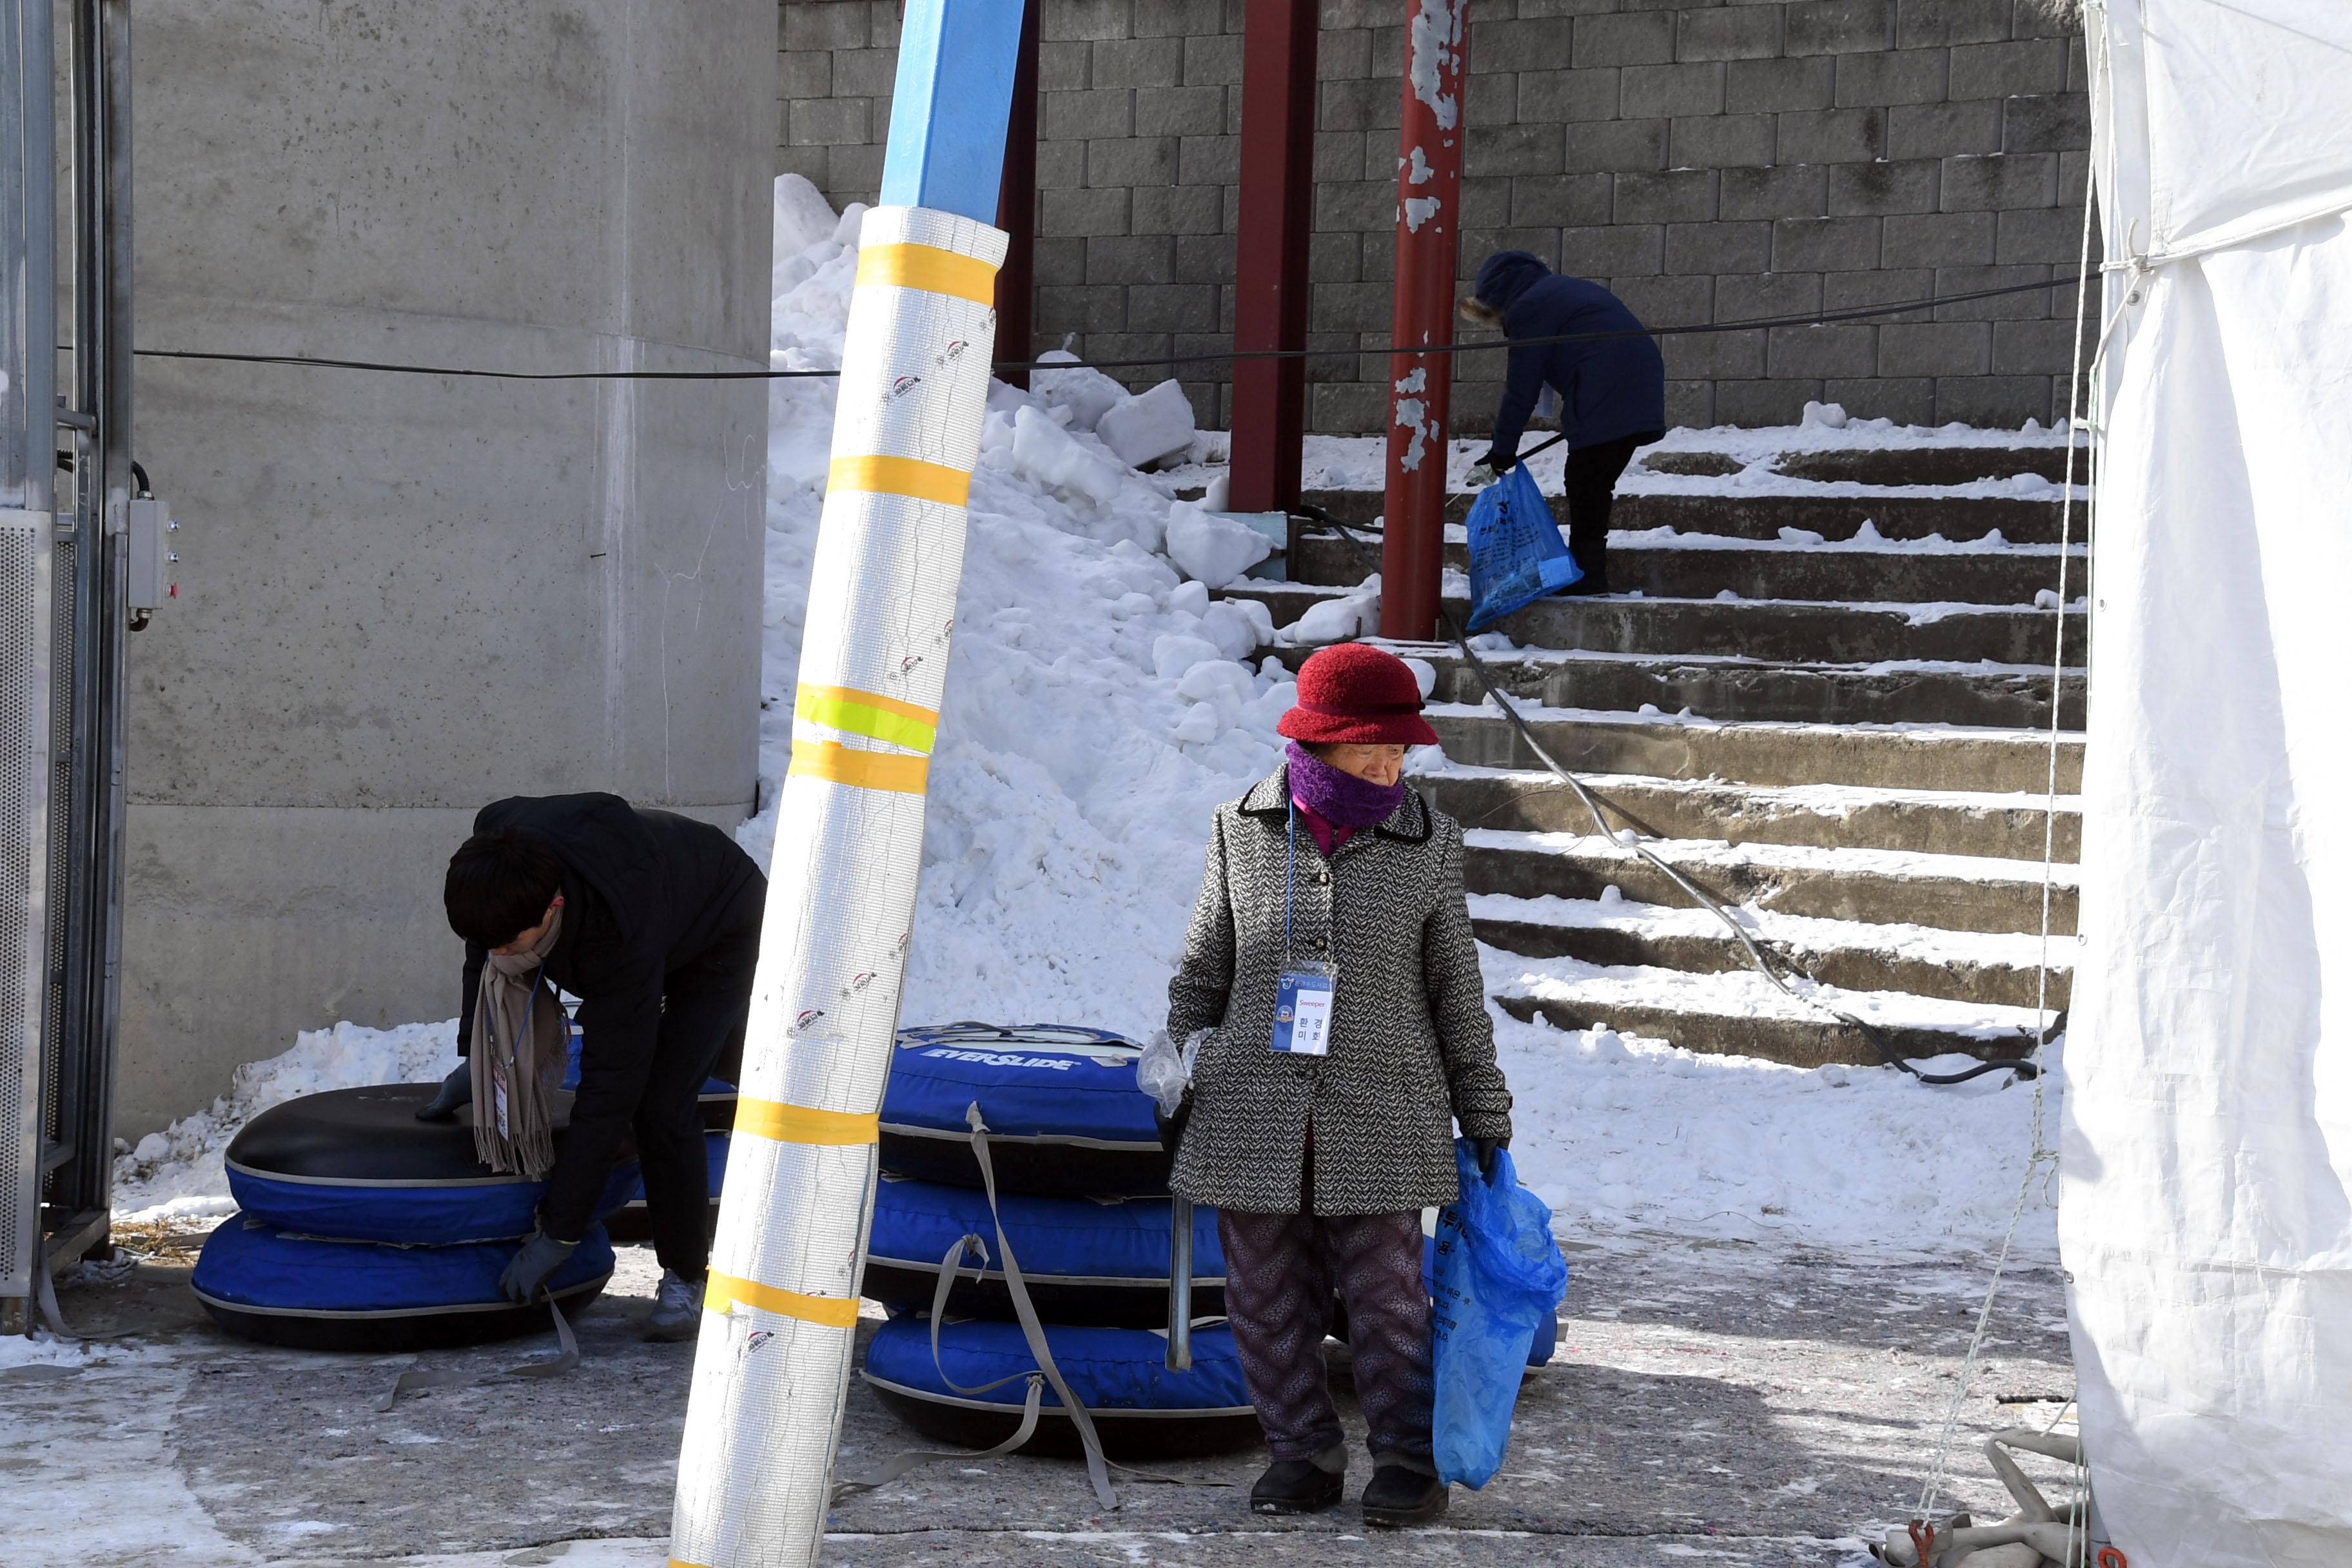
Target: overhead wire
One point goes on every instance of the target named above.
(1224, 356)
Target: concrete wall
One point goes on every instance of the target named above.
(403, 596)
(1709, 162)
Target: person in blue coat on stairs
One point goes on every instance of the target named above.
(1613, 389)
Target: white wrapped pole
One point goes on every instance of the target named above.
(780, 1313)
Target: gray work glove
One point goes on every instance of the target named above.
(538, 1258)
(457, 1089)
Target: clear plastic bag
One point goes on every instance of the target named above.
(1499, 1277)
(1163, 1072)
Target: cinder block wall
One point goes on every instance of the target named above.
(1710, 163)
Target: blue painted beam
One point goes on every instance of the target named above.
(957, 59)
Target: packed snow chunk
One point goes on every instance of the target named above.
(1210, 548)
(1083, 393)
(1048, 454)
(851, 224)
(804, 217)
(1189, 599)
(1174, 654)
(1824, 417)
(1211, 679)
(1334, 620)
(1219, 493)
(1150, 425)
(1199, 725)
(1424, 675)
(1239, 627)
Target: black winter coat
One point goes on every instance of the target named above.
(644, 893)
(1609, 388)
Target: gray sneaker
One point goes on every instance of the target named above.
(677, 1309)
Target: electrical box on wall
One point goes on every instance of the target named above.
(154, 576)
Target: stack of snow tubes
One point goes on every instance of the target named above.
(363, 1228)
(1082, 1200)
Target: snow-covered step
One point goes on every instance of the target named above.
(1935, 465)
(1671, 745)
(1964, 966)
(1834, 511)
(1730, 689)
(1756, 630)
(1670, 565)
(1928, 822)
(1738, 1013)
(1880, 886)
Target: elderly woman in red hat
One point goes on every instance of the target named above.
(1331, 978)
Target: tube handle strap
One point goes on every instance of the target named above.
(416, 1380)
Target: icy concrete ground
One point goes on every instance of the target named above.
(1712, 1401)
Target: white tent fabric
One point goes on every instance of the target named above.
(2206, 1199)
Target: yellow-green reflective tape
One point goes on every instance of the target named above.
(865, 713)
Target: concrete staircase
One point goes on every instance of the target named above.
(1829, 704)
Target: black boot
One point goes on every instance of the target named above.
(1400, 1497)
(1297, 1485)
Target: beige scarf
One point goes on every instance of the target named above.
(518, 1059)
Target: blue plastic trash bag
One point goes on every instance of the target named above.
(1515, 551)
(1500, 1277)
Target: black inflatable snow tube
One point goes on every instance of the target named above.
(356, 1164)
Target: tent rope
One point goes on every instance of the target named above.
(2041, 1154)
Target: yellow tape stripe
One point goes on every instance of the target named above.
(929, 269)
(782, 1123)
(860, 770)
(901, 476)
(826, 1311)
(864, 713)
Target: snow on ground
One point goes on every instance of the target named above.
(1097, 710)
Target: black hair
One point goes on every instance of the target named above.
(499, 885)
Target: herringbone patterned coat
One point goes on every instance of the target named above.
(1413, 1050)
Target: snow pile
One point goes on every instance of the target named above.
(1098, 705)
(1622, 1134)
(177, 1175)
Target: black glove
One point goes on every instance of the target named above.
(1486, 1148)
(540, 1255)
(1502, 462)
(457, 1089)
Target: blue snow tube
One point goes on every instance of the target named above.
(308, 1293)
(1100, 1262)
(355, 1164)
(1065, 1118)
(1142, 1410)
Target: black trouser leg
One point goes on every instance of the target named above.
(705, 1006)
(1589, 484)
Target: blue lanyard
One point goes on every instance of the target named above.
(1289, 884)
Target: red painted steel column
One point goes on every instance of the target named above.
(1428, 237)
(1016, 209)
(1277, 200)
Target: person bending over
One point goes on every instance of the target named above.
(1331, 972)
(1613, 390)
(653, 920)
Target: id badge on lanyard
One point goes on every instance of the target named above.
(1303, 992)
(1302, 1010)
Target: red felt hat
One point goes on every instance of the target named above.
(1352, 694)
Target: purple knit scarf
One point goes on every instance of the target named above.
(1341, 798)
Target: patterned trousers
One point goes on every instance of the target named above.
(1281, 1272)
